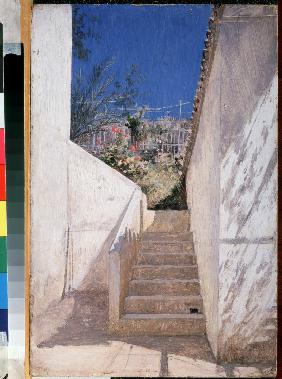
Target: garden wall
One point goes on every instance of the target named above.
(232, 187)
(77, 201)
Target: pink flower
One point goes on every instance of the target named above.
(132, 148)
(117, 130)
(137, 158)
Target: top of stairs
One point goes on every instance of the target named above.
(170, 221)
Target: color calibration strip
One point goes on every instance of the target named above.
(3, 210)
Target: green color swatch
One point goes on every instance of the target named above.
(3, 254)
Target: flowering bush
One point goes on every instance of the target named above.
(159, 174)
(132, 148)
(123, 158)
(117, 130)
(132, 167)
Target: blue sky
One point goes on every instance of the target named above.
(165, 42)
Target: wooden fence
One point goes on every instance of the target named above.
(170, 142)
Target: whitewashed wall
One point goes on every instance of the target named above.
(202, 183)
(248, 182)
(97, 198)
(232, 187)
(77, 201)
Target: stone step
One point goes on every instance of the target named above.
(162, 324)
(143, 287)
(164, 272)
(167, 247)
(169, 237)
(166, 259)
(170, 221)
(164, 304)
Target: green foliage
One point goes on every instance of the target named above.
(150, 154)
(175, 200)
(161, 182)
(162, 186)
(134, 125)
(81, 33)
(128, 89)
(96, 101)
(96, 98)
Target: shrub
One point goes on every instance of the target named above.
(123, 158)
(161, 184)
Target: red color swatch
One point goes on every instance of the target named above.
(2, 146)
(2, 182)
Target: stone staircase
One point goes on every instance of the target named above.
(164, 292)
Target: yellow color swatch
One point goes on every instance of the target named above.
(3, 219)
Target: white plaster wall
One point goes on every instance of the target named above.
(147, 214)
(253, 188)
(238, 267)
(247, 295)
(122, 255)
(77, 201)
(248, 182)
(50, 123)
(97, 197)
(202, 183)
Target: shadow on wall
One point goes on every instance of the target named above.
(81, 316)
(97, 275)
(83, 276)
(100, 309)
(122, 258)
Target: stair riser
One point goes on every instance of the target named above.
(142, 289)
(166, 259)
(165, 273)
(169, 227)
(187, 236)
(159, 327)
(158, 247)
(161, 306)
